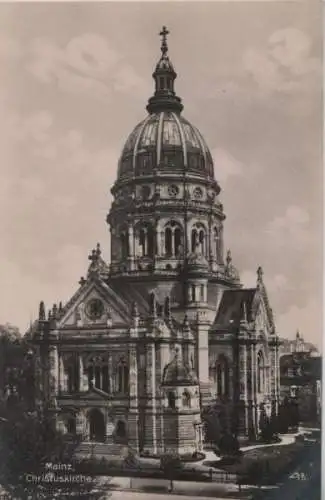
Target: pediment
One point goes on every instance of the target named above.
(95, 304)
(93, 394)
(262, 320)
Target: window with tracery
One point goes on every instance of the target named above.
(186, 399)
(122, 377)
(260, 372)
(198, 239)
(124, 238)
(173, 239)
(193, 297)
(71, 425)
(73, 374)
(222, 376)
(146, 241)
(171, 400)
(98, 375)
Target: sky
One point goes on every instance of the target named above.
(75, 80)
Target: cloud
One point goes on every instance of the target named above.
(56, 177)
(285, 63)
(225, 165)
(87, 65)
(306, 319)
(290, 228)
(10, 48)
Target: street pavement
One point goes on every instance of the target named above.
(132, 495)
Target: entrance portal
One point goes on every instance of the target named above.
(120, 432)
(96, 425)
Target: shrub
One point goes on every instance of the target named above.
(229, 445)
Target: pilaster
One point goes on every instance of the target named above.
(150, 438)
(133, 416)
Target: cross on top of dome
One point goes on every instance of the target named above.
(164, 47)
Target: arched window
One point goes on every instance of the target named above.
(143, 242)
(168, 241)
(222, 376)
(194, 239)
(97, 425)
(73, 374)
(202, 293)
(177, 240)
(186, 399)
(161, 82)
(122, 377)
(124, 245)
(202, 241)
(193, 298)
(171, 400)
(120, 430)
(71, 425)
(198, 239)
(146, 241)
(173, 239)
(260, 372)
(97, 369)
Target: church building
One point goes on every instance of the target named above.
(151, 339)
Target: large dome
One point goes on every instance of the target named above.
(165, 140)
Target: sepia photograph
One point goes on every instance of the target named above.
(161, 266)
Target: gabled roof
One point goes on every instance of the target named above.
(233, 305)
(244, 304)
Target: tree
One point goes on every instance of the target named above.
(171, 464)
(10, 353)
(28, 437)
(229, 446)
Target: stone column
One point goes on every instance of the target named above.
(161, 246)
(250, 392)
(254, 386)
(203, 347)
(131, 253)
(53, 371)
(243, 394)
(63, 375)
(133, 431)
(150, 441)
(82, 375)
(111, 377)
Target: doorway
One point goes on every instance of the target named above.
(96, 425)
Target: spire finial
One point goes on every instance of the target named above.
(167, 310)
(164, 47)
(228, 258)
(259, 274)
(41, 313)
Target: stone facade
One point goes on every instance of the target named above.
(169, 303)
